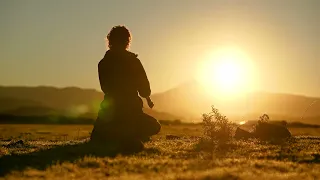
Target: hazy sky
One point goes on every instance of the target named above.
(60, 42)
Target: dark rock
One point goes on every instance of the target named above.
(172, 137)
(15, 144)
(268, 131)
(243, 134)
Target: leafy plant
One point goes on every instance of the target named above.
(217, 127)
(264, 119)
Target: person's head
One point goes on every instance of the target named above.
(119, 38)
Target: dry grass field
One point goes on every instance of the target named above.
(63, 152)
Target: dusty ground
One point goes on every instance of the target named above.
(62, 152)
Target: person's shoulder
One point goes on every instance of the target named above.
(107, 53)
(101, 62)
(133, 55)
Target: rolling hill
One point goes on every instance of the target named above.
(187, 102)
(70, 101)
(190, 101)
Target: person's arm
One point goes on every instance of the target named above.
(150, 103)
(142, 81)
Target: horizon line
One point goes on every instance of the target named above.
(100, 91)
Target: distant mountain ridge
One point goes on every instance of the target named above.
(58, 98)
(187, 102)
(45, 100)
(190, 99)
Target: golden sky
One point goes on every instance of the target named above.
(59, 43)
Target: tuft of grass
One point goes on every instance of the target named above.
(263, 120)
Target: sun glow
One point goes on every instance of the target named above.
(226, 71)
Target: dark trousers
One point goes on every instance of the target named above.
(124, 123)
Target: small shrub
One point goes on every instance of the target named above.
(264, 119)
(262, 122)
(217, 127)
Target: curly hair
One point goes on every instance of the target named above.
(119, 37)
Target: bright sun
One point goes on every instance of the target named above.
(226, 71)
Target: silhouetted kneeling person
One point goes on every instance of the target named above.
(122, 77)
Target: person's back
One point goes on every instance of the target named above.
(122, 79)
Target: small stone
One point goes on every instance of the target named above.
(172, 137)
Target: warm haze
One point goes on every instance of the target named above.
(271, 45)
(235, 89)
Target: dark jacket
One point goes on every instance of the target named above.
(122, 77)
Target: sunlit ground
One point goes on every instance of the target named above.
(68, 157)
